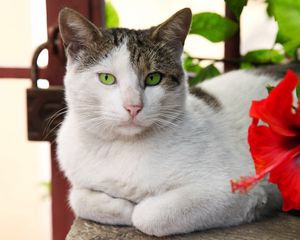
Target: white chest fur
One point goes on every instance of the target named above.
(134, 170)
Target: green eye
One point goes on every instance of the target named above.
(106, 78)
(153, 79)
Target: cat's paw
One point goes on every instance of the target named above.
(100, 207)
(149, 218)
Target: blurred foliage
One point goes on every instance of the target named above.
(236, 6)
(191, 64)
(46, 185)
(213, 26)
(198, 73)
(111, 15)
(287, 15)
(246, 65)
(216, 28)
(263, 56)
(206, 73)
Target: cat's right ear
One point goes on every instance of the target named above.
(76, 31)
(175, 29)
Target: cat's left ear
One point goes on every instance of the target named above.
(175, 29)
(76, 31)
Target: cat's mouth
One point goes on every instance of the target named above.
(130, 124)
(130, 128)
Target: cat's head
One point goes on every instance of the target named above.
(121, 82)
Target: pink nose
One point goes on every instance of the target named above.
(133, 110)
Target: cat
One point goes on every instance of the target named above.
(141, 149)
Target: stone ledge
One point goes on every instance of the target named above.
(281, 227)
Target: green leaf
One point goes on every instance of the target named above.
(46, 185)
(290, 47)
(281, 38)
(263, 56)
(298, 89)
(213, 26)
(190, 65)
(270, 10)
(287, 15)
(236, 6)
(206, 73)
(111, 15)
(246, 65)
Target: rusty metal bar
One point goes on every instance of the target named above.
(232, 45)
(33, 73)
(14, 72)
(62, 217)
(95, 17)
(20, 73)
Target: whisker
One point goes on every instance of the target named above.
(52, 118)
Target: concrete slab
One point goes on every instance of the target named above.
(281, 227)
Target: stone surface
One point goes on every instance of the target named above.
(281, 227)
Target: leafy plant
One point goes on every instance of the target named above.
(206, 73)
(111, 15)
(213, 26)
(263, 56)
(217, 28)
(46, 186)
(236, 6)
(287, 15)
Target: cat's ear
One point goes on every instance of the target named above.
(76, 31)
(175, 28)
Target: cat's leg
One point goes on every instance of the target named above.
(100, 207)
(193, 208)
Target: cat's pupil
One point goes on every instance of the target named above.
(106, 77)
(151, 77)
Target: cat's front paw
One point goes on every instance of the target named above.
(100, 207)
(148, 217)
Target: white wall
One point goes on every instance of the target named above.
(24, 212)
(258, 30)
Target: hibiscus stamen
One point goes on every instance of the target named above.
(244, 184)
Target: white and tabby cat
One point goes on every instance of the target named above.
(139, 148)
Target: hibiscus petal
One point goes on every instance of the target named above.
(276, 148)
(268, 148)
(287, 178)
(276, 108)
(270, 152)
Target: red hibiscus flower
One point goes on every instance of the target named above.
(275, 144)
